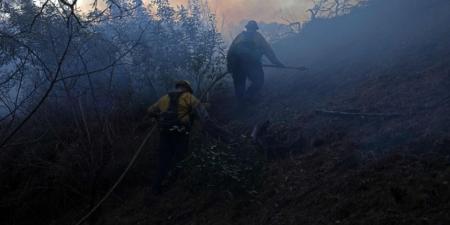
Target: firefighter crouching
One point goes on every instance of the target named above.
(175, 113)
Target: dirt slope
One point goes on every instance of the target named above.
(391, 57)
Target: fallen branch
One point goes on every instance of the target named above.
(301, 68)
(354, 114)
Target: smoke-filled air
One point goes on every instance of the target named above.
(232, 13)
(275, 112)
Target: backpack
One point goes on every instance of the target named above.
(169, 120)
(247, 49)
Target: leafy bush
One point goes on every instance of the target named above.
(228, 167)
(73, 84)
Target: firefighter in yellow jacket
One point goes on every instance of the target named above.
(175, 113)
(244, 61)
(180, 101)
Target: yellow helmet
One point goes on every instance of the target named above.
(184, 83)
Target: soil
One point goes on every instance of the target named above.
(331, 169)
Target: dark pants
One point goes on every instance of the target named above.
(252, 71)
(173, 147)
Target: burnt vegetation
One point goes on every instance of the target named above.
(362, 137)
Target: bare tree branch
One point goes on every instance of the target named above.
(44, 97)
(39, 14)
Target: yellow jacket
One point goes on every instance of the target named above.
(186, 106)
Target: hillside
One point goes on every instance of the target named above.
(388, 58)
(362, 137)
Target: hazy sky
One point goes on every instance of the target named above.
(231, 12)
(235, 11)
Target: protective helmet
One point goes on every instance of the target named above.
(185, 84)
(252, 25)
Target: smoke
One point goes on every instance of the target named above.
(231, 13)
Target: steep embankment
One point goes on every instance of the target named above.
(390, 59)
